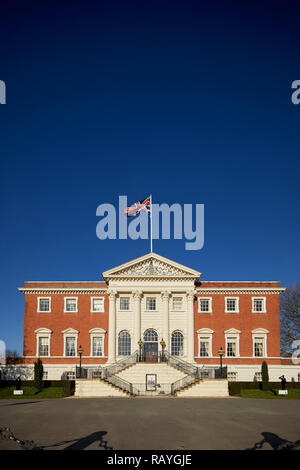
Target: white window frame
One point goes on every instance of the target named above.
(234, 340)
(232, 333)
(70, 332)
(209, 305)
(97, 333)
(38, 304)
(92, 304)
(234, 374)
(237, 310)
(117, 342)
(181, 307)
(205, 333)
(260, 333)
(257, 376)
(43, 333)
(263, 306)
(68, 372)
(65, 304)
(183, 341)
(151, 297)
(125, 297)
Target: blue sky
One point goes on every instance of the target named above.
(188, 102)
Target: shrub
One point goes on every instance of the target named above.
(265, 376)
(236, 387)
(38, 374)
(67, 385)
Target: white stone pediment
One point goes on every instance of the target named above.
(232, 331)
(152, 266)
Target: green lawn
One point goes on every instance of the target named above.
(294, 393)
(32, 392)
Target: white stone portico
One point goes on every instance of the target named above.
(162, 279)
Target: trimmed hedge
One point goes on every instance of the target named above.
(236, 387)
(67, 385)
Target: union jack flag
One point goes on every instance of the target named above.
(138, 207)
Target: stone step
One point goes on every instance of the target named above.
(97, 388)
(205, 388)
(166, 374)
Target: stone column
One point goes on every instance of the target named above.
(112, 328)
(165, 323)
(137, 295)
(190, 327)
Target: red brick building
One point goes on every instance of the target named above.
(160, 303)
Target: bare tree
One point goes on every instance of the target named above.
(289, 318)
(12, 357)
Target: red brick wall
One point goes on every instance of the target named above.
(244, 321)
(57, 321)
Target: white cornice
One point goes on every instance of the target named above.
(240, 282)
(63, 290)
(240, 290)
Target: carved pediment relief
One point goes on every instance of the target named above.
(151, 265)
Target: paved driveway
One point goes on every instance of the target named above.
(152, 423)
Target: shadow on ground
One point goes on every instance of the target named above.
(22, 403)
(276, 442)
(83, 442)
(74, 444)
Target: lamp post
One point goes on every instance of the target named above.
(140, 343)
(80, 351)
(221, 353)
(163, 345)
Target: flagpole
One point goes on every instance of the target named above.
(151, 223)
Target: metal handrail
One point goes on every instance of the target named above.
(161, 389)
(122, 384)
(186, 367)
(203, 373)
(181, 383)
(119, 365)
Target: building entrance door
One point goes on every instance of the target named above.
(151, 352)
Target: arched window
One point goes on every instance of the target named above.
(150, 335)
(177, 344)
(124, 346)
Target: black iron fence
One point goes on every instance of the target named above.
(88, 372)
(221, 373)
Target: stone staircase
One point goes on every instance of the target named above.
(173, 377)
(164, 372)
(165, 376)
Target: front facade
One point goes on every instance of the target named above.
(148, 304)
